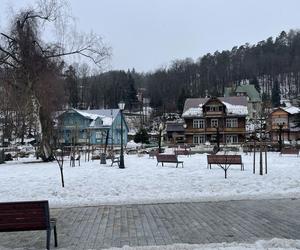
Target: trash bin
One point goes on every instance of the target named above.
(1, 156)
(102, 158)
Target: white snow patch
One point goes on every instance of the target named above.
(144, 182)
(236, 109)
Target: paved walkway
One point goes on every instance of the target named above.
(159, 224)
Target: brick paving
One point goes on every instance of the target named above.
(163, 224)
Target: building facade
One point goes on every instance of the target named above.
(254, 102)
(95, 127)
(213, 119)
(282, 123)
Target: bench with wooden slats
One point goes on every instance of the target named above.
(27, 216)
(289, 151)
(168, 158)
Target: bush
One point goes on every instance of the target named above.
(141, 136)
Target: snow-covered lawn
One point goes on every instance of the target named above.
(142, 182)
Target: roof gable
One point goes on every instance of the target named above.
(234, 105)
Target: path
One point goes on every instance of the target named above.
(159, 224)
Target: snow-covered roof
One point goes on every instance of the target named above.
(292, 110)
(236, 109)
(234, 106)
(106, 115)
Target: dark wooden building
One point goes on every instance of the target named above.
(209, 118)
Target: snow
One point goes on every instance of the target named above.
(260, 244)
(231, 110)
(272, 244)
(292, 110)
(142, 182)
(192, 112)
(236, 109)
(107, 121)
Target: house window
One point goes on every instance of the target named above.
(198, 123)
(213, 138)
(232, 123)
(98, 135)
(214, 123)
(199, 139)
(231, 139)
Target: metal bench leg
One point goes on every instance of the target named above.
(55, 236)
(48, 239)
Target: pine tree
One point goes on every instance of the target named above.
(276, 94)
(131, 94)
(141, 136)
(255, 82)
(181, 100)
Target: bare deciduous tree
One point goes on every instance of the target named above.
(36, 65)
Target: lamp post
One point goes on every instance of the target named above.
(160, 129)
(121, 107)
(280, 139)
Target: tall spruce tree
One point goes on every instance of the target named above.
(255, 82)
(276, 94)
(131, 94)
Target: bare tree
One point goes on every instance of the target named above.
(37, 65)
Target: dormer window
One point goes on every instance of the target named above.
(214, 108)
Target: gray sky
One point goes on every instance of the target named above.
(148, 34)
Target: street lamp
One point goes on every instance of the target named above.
(280, 139)
(160, 129)
(121, 107)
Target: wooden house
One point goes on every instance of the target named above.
(283, 120)
(209, 118)
(94, 127)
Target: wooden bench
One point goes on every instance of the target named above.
(225, 161)
(27, 216)
(153, 153)
(290, 151)
(168, 158)
(182, 152)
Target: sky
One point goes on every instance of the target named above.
(148, 34)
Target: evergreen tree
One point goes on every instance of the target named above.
(131, 94)
(276, 94)
(181, 99)
(255, 82)
(141, 136)
(72, 87)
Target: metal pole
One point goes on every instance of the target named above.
(122, 153)
(254, 151)
(260, 150)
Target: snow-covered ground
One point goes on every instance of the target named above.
(261, 244)
(142, 182)
(272, 244)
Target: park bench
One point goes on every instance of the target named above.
(153, 153)
(115, 159)
(182, 152)
(27, 216)
(168, 158)
(289, 151)
(225, 161)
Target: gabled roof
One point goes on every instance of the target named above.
(251, 92)
(235, 105)
(106, 115)
(175, 126)
(290, 110)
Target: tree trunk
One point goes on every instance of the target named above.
(44, 130)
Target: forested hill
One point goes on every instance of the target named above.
(269, 61)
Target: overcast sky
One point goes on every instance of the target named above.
(147, 34)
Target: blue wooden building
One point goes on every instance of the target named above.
(92, 127)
